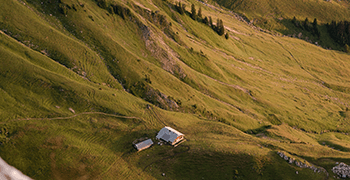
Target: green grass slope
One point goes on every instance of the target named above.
(277, 16)
(81, 80)
(270, 13)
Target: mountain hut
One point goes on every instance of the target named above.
(170, 135)
(144, 144)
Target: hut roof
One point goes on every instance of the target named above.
(144, 144)
(168, 134)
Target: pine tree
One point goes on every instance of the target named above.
(348, 33)
(111, 9)
(210, 22)
(341, 32)
(193, 12)
(314, 24)
(180, 8)
(306, 24)
(183, 7)
(102, 4)
(315, 28)
(221, 28)
(217, 25)
(295, 22)
(206, 21)
(200, 13)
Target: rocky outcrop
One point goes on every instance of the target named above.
(342, 170)
(301, 164)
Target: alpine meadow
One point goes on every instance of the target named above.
(253, 89)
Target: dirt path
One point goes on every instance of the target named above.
(70, 117)
(1, 32)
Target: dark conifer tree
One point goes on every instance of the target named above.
(183, 8)
(306, 24)
(180, 8)
(315, 28)
(200, 13)
(102, 4)
(314, 24)
(210, 22)
(341, 32)
(193, 12)
(348, 33)
(221, 28)
(206, 21)
(294, 21)
(217, 25)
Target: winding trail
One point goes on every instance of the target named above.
(70, 117)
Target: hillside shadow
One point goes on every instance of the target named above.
(211, 164)
(259, 130)
(334, 146)
(327, 162)
(324, 41)
(124, 144)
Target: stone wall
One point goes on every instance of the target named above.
(300, 164)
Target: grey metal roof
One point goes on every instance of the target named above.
(144, 144)
(168, 134)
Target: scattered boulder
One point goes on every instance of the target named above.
(291, 160)
(300, 164)
(342, 170)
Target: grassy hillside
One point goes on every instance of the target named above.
(272, 12)
(277, 16)
(81, 80)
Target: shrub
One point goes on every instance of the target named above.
(227, 35)
(63, 9)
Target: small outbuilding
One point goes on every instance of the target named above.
(144, 144)
(170, 135)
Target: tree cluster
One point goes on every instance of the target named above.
(180, 8)
(220, 29)
(306, 25)
(198, 16)
(340, 32)
(102, 3)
